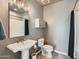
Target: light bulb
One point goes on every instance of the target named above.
(22, 4)
(14, 1)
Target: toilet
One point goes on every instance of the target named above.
(47, 50)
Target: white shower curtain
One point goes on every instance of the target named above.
(76, 46)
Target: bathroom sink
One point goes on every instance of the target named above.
(23, 46)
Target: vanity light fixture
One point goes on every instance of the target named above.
(44, 2)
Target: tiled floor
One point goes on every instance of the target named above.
(54, 56)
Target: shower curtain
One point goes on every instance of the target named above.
(71, 36)
(2, 34)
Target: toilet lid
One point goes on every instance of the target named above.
(48, 47)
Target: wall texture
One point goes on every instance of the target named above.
(35, 11)
(57, 16)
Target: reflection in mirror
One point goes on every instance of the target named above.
(20, 5)
(18, 22)
(2, 34)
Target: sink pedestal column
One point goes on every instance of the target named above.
(25, 54)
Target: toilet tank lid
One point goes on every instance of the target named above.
(48, 47)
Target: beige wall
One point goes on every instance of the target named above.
(36, 11)
(57, 16)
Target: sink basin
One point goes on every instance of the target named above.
(23, 46)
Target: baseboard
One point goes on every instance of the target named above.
(61, 52)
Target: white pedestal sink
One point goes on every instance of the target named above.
(23, 46)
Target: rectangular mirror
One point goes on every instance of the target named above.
(18, 22)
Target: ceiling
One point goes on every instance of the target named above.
(21, 10)
(47, 3)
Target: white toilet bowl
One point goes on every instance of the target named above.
(47, 50)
